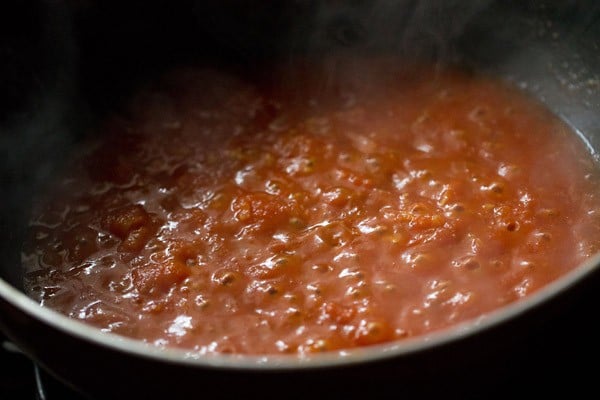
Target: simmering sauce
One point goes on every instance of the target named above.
(227, 217)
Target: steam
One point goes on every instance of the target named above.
(36, 134)
(344, 37)
(412, 28)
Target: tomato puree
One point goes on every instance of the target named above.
(223, 216)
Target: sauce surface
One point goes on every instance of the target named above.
(225, 217)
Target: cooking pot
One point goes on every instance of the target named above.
(66, 64)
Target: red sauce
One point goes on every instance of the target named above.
(223, 217)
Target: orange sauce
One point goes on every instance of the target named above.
(224, 217)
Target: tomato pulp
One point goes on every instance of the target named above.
(225, 217)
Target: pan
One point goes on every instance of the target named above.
(68, 64)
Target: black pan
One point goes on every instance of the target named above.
(66, 64)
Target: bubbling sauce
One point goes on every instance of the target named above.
(222, 216)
